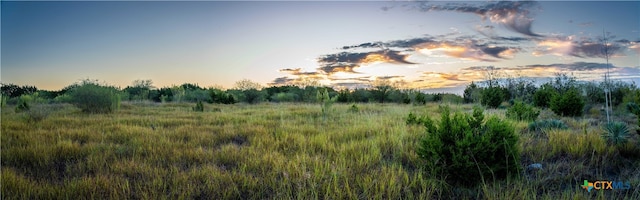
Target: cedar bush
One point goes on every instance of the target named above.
(522, 112)
(94, 98)
(467, 149)
(569, 103)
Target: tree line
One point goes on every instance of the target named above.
(563, 94)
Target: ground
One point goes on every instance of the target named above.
(283, 151)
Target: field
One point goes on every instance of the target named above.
(283, 151)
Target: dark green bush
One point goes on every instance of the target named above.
(522, 112)
(354, 108)
(468, 150)
(94, 98)
(543, 95)
(569, 103)
(22, 106)
(199, 107)
(634, 109)
(493, 97)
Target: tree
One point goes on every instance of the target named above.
(493, 96)
(472, 93)
(246, 84)
(543, 95)
(569, 103)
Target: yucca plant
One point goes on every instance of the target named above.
(616, 133)
(543, 125)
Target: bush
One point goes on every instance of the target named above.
(543, 95)
(544, 125)
(522, 112)
(94, 98)
(199, 107)
(569, 103)
(466, 150)
(616, 133)
(22, 106)
(493, 97)
(354, 108)
(37, 115)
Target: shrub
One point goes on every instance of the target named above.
(466, 150)
(354, 108)
(616, 133)
(544, 125)
(37, 115)
(472, 93)
(569, 103)
(94, 98)
(634, 109)
(199, 107)
(522, 112)
(322, 96)
(493, 97)
(543, 95)
(22, 106)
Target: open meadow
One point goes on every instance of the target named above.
(284, 151)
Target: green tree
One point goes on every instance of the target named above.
(569, 103)
(472, 93)
(493, 96)
(543, 95)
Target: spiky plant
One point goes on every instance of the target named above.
(616, 133)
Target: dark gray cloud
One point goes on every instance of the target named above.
(348, 61)
(299, 72)
(458, 47)
(282, 81)
(514, 15)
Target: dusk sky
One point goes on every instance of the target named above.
(423, 45)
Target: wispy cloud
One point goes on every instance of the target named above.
(514, 15)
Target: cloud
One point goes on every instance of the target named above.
(282, 81)
(489, 32)
(584, 48)
(514, 15)
(299, 72)
(444, 76)
(348, 61)
(576, 66)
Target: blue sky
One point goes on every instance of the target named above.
(424, 45)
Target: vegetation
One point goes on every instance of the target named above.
(523, 112)
(199, 107)
(467, 150)
(569, 103)
(91, 97)
(616, 133)
(153, 146)
(545, 125)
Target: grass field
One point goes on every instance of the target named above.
(282, 151)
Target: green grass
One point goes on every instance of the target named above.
(279, 151)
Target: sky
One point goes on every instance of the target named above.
(440, 45)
